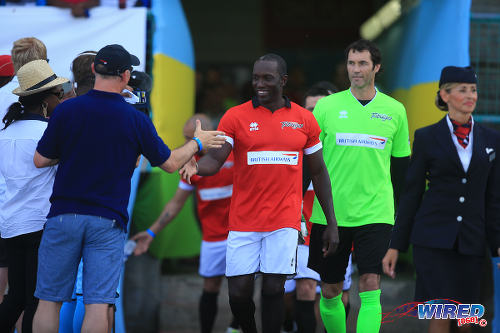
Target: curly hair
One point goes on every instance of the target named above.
(17, 109)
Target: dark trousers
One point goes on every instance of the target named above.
(22, 258)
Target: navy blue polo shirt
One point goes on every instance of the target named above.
(97, 138)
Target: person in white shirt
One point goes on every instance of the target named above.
(6, 75)
(23, 51)
(26, 200)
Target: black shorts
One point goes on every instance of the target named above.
(370, 242)
(3, 253)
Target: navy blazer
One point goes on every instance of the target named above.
(458, 206)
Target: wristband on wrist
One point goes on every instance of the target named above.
(200, 146)
(152, 234)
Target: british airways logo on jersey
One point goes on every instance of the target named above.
(291, 124)
(381, 116)
(381, 141)
(273, 157)
(360, 140)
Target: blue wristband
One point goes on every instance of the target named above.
(152, 234)
(200, 146)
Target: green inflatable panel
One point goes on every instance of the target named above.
(182, 237)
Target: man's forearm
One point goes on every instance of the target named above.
(323, 191)
(167, 215)
(322, 185)
(399, 167)
(183, 154)
(180, 156)
(41, 161)
(211, 162)
(171, 209)
(53, 162)
(207, 166)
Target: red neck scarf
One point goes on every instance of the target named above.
(462, 131)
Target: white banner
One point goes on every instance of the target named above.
(66, 36)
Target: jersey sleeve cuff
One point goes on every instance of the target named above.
(229, 140)
(401, 153)
(185, 186)
(313, 149)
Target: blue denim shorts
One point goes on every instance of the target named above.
(69, 237)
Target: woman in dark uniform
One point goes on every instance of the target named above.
(450, 223)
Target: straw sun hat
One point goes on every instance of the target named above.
(36, 76)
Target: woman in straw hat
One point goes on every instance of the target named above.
(23, 212)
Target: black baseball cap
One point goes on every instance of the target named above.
(114, 60)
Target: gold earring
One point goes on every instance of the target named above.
(44, 109)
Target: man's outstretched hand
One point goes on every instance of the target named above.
(209, 139)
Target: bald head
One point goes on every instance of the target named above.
(189, 127)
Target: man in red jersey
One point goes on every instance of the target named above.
(269, 136)
(213, 196)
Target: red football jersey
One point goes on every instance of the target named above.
(213, 200)
(268, 149)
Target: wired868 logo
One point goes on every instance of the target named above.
(439, 309)
(463, 313)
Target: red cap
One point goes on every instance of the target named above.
(6, 66)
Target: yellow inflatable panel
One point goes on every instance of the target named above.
(172, 98)
(419, 104)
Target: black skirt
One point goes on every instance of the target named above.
(446, 274)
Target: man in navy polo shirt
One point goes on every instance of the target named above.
(96, 139)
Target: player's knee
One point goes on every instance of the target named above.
(369, 281)
(306, 289)
(271, 290)
(212, 284)
(331, 290)
(240, 293)
(240, 287)
(273, 285)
